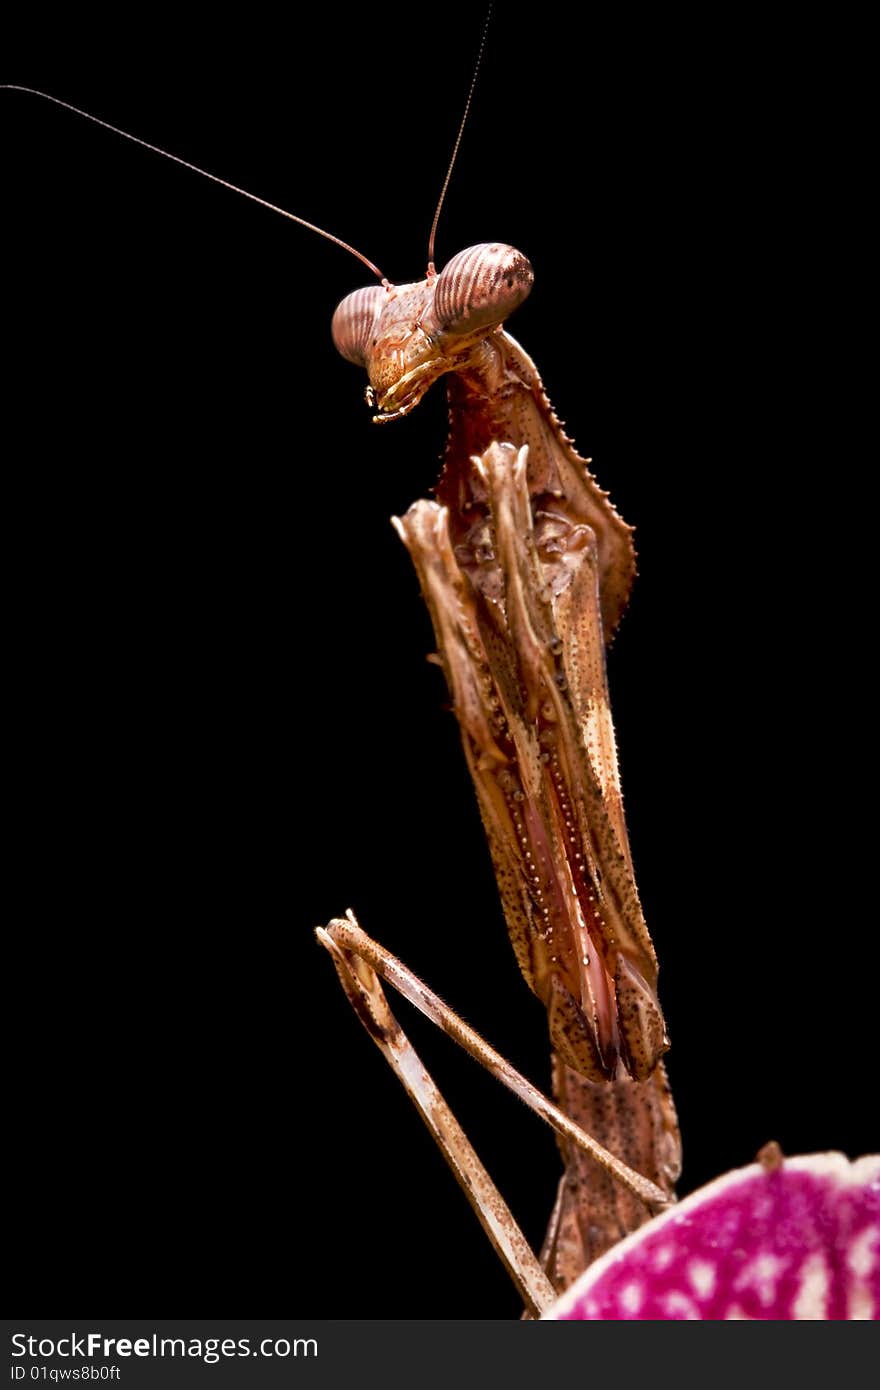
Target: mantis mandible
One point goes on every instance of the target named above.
(619, 383)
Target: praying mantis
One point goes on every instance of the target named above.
(256, 499)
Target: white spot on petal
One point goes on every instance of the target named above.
(860, 1305)
(663, 1256)
(761, 1274)
(767, 1267)
(810, 1302)
(631, 1298)
(736, 1314)
(678, 1305)
(702, 1277)
(862, 1253)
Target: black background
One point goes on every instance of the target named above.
(222, 728)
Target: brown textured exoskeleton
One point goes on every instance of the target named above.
(526, 568)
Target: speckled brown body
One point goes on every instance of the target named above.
(526, 568)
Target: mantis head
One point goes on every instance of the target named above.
(407, 336)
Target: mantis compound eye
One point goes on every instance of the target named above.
(353, 323)
(479, 287)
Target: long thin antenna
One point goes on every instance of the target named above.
(194, 168)
(467, 107)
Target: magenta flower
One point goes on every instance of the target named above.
(783, 1239)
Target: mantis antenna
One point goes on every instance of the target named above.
(194, 168)
(467, 107)
(263, 202)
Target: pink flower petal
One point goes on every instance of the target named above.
(794, 1242)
